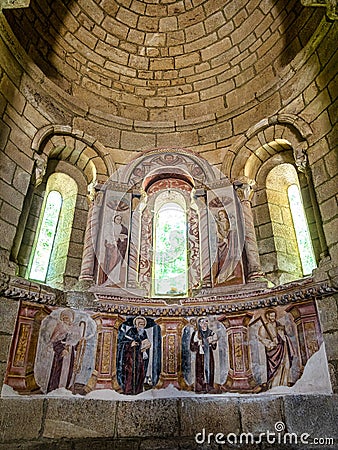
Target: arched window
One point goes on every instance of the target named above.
(46, 237)
(306, 253)
(170, 272)
(287, 244)
(50, 248)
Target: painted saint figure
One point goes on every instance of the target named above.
(278, 350)
(116, 247)
(64, 339)
(203, 342)
(223, 228)
(134, 354)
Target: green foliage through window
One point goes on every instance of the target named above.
(170, 273)
(44, 245)
(301, 229)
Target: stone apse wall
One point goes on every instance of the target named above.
(243, 97)
(212, 326)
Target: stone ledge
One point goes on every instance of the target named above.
(169, 423)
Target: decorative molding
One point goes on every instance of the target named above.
(221, 304)
(21, 289)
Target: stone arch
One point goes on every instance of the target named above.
(270, 136)
(66, 150)
(281, 139)
(78, 148)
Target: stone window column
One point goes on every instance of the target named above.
(245, 193)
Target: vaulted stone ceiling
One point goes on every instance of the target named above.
(160, 60)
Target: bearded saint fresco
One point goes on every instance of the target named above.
(203, 341)
(274, 350)
(66, 350)
(139, 355)
(204, 354)
(279, 350)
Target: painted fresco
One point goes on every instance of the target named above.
(124, 231)
(274, 349)
(204, 354)
(244, 351)
(226, 237)
(113, 240)
(139, 355)
(66, 350)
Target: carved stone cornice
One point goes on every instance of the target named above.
(20, 289)
(221, 304)
(245, 300)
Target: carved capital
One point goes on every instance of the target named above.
(13, 4)
(330, 5)
(244, 188)
(40, 168)
(300, 156)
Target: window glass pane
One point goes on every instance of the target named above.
(46, 237)
(301, 229)
(170, 274)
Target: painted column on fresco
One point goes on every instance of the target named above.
(308, 329)
(105, 359)
(194, 260)
(204, 250)
(240, 376)
(133, 258)
(20, 371)
(171, 330)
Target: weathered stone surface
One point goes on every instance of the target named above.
(172, 61)
(223, 416)
(316, 415)
(8, 314)
(148, 418)
(259, 415)
(14, 413)
(5, 342)
(79, 418)
(328, 313)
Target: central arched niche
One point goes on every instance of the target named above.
(126, 217)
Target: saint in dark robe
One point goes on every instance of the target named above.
(134, 357)
(203, 342)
